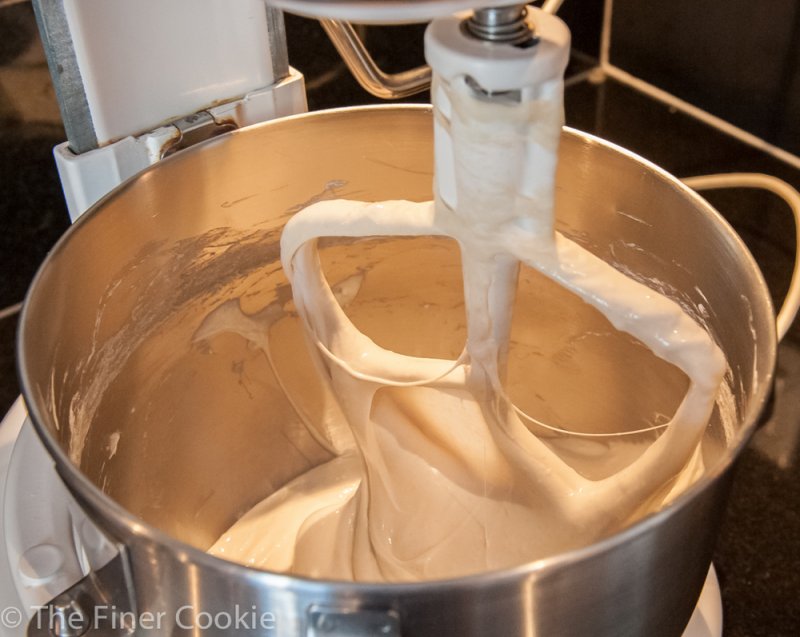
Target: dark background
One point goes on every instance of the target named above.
(738, 59)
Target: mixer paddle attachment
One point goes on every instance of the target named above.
(352, 359)
(440, 444)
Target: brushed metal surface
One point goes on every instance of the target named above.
(108, 326)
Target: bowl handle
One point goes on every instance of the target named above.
(791, 303)
(326, 621)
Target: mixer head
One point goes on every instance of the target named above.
(384, 11)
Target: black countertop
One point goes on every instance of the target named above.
(758, 555)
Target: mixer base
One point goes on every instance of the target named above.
(9, 599)
(707, 618)
(705, 622)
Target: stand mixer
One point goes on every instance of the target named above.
(324, 615)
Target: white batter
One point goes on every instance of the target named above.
(438, 476)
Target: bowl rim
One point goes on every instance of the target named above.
(103, 506)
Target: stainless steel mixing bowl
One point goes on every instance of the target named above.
(165, 440)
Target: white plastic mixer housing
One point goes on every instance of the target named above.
(133, 79)
(50, 544)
